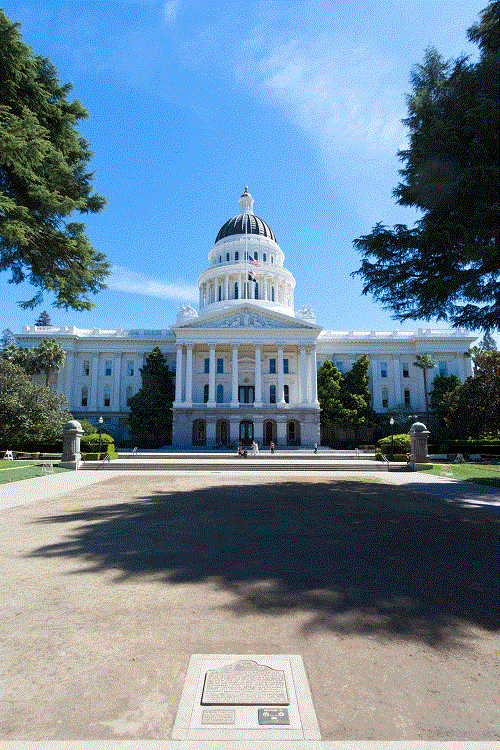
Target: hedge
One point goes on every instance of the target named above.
(99, 456)
(402, 444)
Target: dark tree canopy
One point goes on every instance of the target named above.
(44, 180)
(474, 407)
(151, 407)
(448, 265)
(345, 399)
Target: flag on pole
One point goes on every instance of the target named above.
(256, 263)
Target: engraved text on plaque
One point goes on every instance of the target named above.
(245, 683)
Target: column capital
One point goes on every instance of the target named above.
(179, 346)
(279, 346)
(189, 347)
(212, 346)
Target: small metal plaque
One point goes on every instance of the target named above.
(273, 716)
(218, 716)
(245, 683)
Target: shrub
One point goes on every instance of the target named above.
(402, 444)
(91, 442)
(99, 456)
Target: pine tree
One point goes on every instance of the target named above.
(43, 320)
(150, 416)
(488, 341)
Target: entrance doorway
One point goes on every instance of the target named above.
(269, 432)
(222, 432)
(246, 432)
(246, 394)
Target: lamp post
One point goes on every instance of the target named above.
(101, 420)
(391, 422)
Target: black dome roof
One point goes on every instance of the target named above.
(246, 224)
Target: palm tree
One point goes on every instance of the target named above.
(50, 357)
(425, 363)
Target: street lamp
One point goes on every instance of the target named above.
(391, 422)
(101, 420)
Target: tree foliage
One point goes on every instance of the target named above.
(48, 357)
(448, 265)
(30, 415)
(43, 319)
(151, 407)
(488, 341)
(474, 407)
(44, 180)
(424, 362)
(441, 386)
(345, 399)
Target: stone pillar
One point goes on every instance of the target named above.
(68, 383)
(211, 376)
(419, 436)
(396, 373)
(71, 456)
(94, 383)
(314, 376)
(115, 397)
(280, 396)
(281, 434)
(189, 374)
(210, 433)
(234, 390)
(303, 374)
(258, 377)
(226, 286)
(178, 376)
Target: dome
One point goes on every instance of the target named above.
(246, 224)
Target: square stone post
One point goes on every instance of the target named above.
(189, 374)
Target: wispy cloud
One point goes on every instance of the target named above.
(170, 10)
(125, 280)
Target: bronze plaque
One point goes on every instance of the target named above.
(245, 683)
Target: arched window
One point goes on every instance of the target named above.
(256, 255)
(236, 255)
(85, 395)
(264, 258)
(107, 396)
(220, 293)
(128, 393)
(236, 291)
(205, 393)
(286, 390)
(272, 394)
(256, 291)
(227, 257)
(220, 393)
(272, 294)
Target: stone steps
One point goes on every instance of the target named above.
(237, 464)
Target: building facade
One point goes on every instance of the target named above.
(246, 362)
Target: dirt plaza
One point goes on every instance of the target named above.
(389, 596)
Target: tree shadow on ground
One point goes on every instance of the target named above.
(357, 557)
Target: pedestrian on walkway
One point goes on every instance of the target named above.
(315, 447)
(272, 446)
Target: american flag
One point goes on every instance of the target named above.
(255, 262)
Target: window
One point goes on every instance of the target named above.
(272, 258)
(85, 395)
(236, 255)
(107, 368)
(227, 257)
(236, 291)
(406, 370)
(256, 291)
(407, 397)
(443, 368)
(86, 367)
(291, 431)
(385, 398)
(272, 366)
(220, 393)
(383, 369)
(220, 365)
(220, 259)
(107, 396)
(256, 255)
(285, 365)
(287, 394)
(272, 294)
(272, 394)
(264, 257)
(220, 293)
(207, 365)
(130, 367)
(128, 393)
(205, 393)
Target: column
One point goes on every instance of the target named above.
(189, 374)
(117, 371)
(396, 373)
(211, 376)
(281, 434)
(226, 285)
(314, 376)
(280, 396)
(377, 396)
(178, 376)
(258, 377)
(200, 303)
(240, 286)
(234, 391)
(303, 374)
(210, 433)
(94, 383)
(68, 383)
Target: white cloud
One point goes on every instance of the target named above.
(125, 280)
(170, 10)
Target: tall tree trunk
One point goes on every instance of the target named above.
(426, 396)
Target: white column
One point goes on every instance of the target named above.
(117, 371)
(178, 376)
(189, 374)
(234, 392)
(280, 396)
(377, 396)
(303, 374)
(94, 383)
(258, 377)
(200, 304)
(396, 373)
(68, 383)
(314, 376)
(211, 376)
(226, 290)
(240, 286)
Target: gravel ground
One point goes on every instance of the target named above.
(390, 596)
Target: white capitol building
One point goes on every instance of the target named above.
(245, 363)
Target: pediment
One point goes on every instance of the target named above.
(247, 317)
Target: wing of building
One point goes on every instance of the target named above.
(245, 363)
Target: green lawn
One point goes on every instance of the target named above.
(13, 471)
(488, 474)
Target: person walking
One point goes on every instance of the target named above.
(315, 447)
(272, 446)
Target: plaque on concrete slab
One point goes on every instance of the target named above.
(245, 683)
(273, 716)
(218, 716)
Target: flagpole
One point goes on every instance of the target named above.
(246, 251)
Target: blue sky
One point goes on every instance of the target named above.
(191, 101)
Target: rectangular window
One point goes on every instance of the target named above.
(107, 398)
(207, 365)
(107, 368)
(85, 396)
(272, 394)
(86, 367)
(443, 368)
(407, 397)
(383, 369)
(130, 367)
(406, 370)
(285, 366)
(272, 366)
(220, 365)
